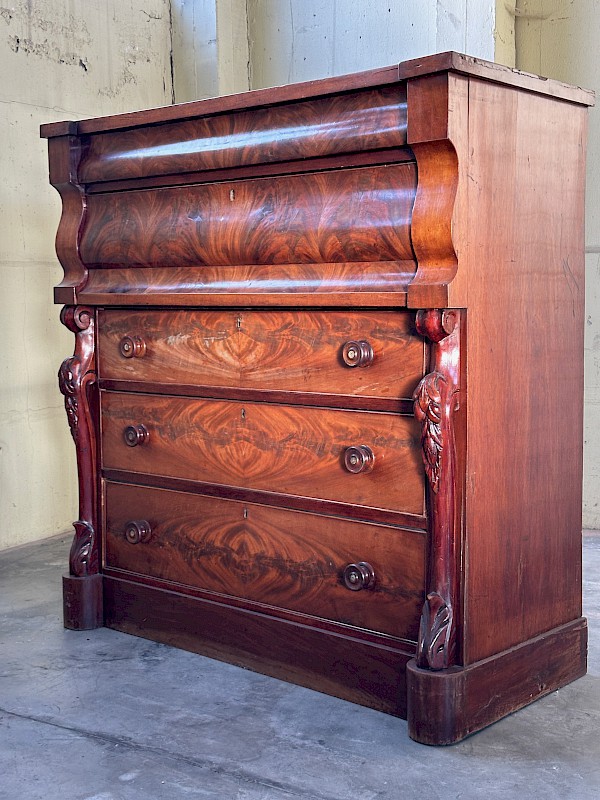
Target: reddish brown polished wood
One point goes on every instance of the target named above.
(365, 284)
(437, 399)
(276, 557)
(297, 219)
(286, 649)
(373, 120)
(76, 378)
(274, 448)
(271, 277)
(247, 349)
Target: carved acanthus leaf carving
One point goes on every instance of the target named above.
(83, 558)
(75, 377)
(436, 634)
(435, 401)
(69, 381)
(428, 411)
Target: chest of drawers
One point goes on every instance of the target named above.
(326, 393)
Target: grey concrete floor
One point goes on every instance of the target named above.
(105, 716)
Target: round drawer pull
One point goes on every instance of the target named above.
(357, 354)
(359, 576)
(135, 434)
(359, 458)
(138, 531)
(132, 347)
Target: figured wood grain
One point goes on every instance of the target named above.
(339, 216)
(297, 451)
(277, 557)
(280, 350)
(365, 284)
(312, 505)
(399, 406)
(368, 120)
(363, 158)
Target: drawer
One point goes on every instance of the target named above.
(280, 350)
(277, 448)
(281, 558)
(333, 216)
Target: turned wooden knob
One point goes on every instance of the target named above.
(359, 576)
(132, 347)
(357, 354)
(138, 531)
(135, 434)
(359, 458)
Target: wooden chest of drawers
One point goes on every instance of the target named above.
(326, 392)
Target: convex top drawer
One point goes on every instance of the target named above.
(358, 353)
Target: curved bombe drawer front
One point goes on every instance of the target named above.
(362, 458)
(288, 559)
(363, 354)
(312, 128)
(354, 215)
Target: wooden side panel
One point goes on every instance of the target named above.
(367, 120)
(272, 556)
(295, 451)
(350, 215)
(283, 350)
(521, 276)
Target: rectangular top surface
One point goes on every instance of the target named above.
(441, 62)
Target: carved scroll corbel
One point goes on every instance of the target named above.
(76, 376)
(436, 400)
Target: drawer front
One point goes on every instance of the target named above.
(343, 123)
(284, 449)
(282, 350)
(349, 215)
(281, 558)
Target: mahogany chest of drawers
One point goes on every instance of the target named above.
(326, 392)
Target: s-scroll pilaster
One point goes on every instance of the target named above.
(65, 154)
(436, 401)
(434, 129)
(77, 378)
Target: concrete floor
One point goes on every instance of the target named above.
(105, 716)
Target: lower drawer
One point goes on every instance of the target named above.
(287, 559)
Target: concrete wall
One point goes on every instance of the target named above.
(59, 59)
(210, 48)
(559, 38)
(309, 39)
(224, 46)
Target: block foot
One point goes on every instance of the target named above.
(448, 705)
(82, 602)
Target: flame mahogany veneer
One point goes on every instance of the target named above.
(326, 392)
